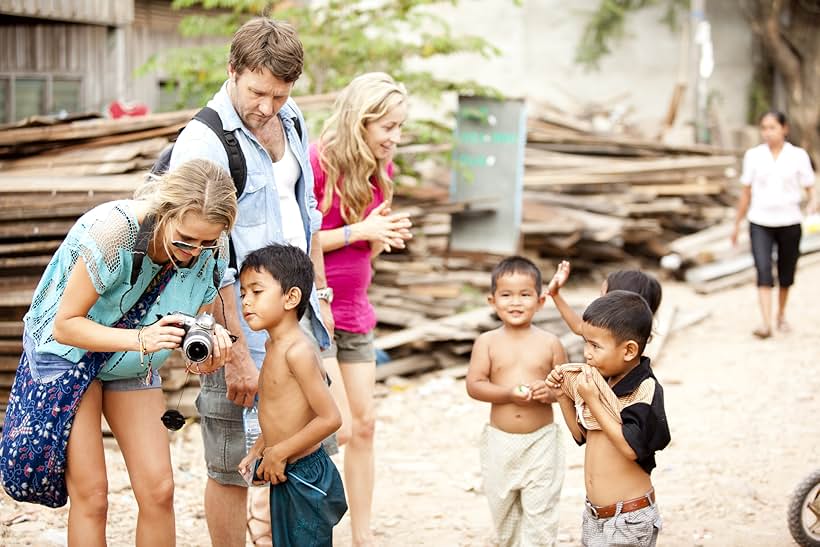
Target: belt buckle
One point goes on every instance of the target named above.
(591, 508)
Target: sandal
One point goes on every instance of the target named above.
(258, 522)
(762, 333)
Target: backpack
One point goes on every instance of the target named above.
(236, 159)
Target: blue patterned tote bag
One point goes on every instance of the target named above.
(40, 414)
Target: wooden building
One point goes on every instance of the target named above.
(80, 55)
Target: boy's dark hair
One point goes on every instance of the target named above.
(625, 314)
(288, 265)
(638, 282)
(516, 264)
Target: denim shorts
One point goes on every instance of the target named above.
(351, 347)
(47, 367)
(133, 384)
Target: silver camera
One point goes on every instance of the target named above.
(198, 343)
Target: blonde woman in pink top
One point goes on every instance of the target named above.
(352, 169)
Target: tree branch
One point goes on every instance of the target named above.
(770, 32)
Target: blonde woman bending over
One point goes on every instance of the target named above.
(94, 313)
(352, 169)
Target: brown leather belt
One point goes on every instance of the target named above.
(607, 511)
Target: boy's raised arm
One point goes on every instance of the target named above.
(479, 386)
(572, 319)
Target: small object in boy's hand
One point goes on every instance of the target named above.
(522, 389)
(251, 474)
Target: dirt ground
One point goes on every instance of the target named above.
(743, 415)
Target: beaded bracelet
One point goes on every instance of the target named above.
(143, 351)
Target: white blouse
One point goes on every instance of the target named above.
(777, 184)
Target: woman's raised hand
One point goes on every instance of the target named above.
(382, 225)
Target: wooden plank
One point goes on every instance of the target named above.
(404, 366)
(36, 228)
(32, 247)
(85, 155)
(434, 329)
(86, 129)
(86, 169)
(11, 347)
(49, 184)
(11, 329)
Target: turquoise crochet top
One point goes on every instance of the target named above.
(105, 237)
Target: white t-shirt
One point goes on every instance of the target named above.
(777, 184)
(286, 172)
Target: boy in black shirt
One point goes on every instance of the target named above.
(620, 454)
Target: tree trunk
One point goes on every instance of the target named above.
(790, 33)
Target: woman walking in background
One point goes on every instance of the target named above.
(775, 174)
(352, 168)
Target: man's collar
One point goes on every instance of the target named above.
(634, 377)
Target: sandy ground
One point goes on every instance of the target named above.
(743, 415)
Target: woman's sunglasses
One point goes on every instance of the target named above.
(188, 248)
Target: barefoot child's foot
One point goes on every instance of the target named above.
(762, 332)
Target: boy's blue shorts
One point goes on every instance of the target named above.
(305, 508)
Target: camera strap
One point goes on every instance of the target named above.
(141, 246)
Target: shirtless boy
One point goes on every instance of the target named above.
(296, 409)
(522, 454)
(620, 507)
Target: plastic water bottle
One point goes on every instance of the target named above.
(250, 419)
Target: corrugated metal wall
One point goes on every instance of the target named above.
(32, 47)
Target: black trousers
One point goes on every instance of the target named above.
(787, 239)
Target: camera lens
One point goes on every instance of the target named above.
(197, 351)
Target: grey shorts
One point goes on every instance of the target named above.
(637, 528)
(351, 347)
(223, 432)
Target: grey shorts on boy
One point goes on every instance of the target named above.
(636, 529)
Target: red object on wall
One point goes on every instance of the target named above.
(118, 109)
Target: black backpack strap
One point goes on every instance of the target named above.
(236, 159)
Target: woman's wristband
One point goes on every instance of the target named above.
(346, 232)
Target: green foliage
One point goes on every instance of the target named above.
(341, 40)
(606, 26)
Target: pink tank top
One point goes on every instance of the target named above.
(348, 269)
